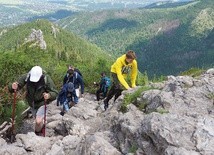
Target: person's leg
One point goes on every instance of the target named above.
(118, 93)
(39, 122)
(66, 105)
(105, 92)
(111, 93)
(113, 90)
(98, 94)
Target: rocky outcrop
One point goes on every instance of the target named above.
(37, 39)
(3, 32)
(178, 119)
(54, 31)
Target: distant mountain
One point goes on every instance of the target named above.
(167, 4)
(167, 40)
(92, 5)
(21, 11)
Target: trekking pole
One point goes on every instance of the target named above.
(45, 109)
(12, 138)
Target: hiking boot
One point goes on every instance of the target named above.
(40, 133)
(105, 105)
(29, 114)
(62, 113)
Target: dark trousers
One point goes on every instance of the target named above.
(99, 91)
(115, 90)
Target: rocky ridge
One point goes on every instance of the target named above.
(184, 127)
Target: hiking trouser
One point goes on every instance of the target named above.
(98, 94)
(38, 112)
(104, 92)
(66, 105)
(115, 90)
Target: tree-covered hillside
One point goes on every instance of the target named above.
(167, 40)
(62, 48)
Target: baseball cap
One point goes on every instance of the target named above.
(35, 73)
(70, 87)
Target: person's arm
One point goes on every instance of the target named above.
(59, 96)
(134, 74)
(51, 88)
(19, 84)
(65, 79)
(120, 76)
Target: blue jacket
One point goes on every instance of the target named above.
(105, 83)
(66, 96)
(76, 79)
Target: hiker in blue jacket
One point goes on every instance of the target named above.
(76, 79)
(103, 86)
(67, 97)
(75, 69)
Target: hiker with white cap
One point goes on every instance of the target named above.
(40, 90)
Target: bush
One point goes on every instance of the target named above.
(6, 106)
(130, 98)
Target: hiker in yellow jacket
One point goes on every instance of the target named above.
(119, 70)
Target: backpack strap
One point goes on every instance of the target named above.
(27, 77)
(74, 77)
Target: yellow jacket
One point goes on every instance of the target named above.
(121, 68)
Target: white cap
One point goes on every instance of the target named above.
(35, 73)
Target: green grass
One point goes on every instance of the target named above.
(130, 98)
(133, 148)
(211, 96)
(162, 111)
(194, 72)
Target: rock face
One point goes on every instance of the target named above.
(178, 119)
(37, 39)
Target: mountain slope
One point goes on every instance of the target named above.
(167, 40)
(41, 42)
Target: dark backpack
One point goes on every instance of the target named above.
(78, 71)
(74, 77)
(107, 82)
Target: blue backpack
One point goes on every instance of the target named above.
(107, 82)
